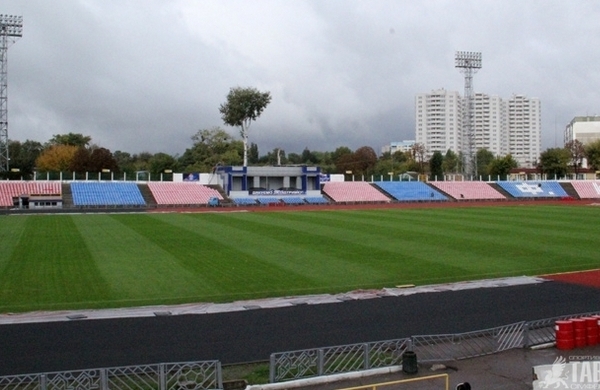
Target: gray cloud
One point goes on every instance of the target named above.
(146, 75)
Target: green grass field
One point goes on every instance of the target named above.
(115, 260)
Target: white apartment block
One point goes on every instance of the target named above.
(583, 128)
(439, 121)
(490, 124)
(525, 130)
(502, 127)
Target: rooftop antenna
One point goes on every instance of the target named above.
(11, 29)
(469, 63)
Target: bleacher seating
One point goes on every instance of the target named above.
(267, 200)
(244, 201)
(587, 189)
(316, 200)
(533, 189)
(10, 189)
(410, 191)
(355, 191)
(292, 200)
(468, 190)
(183, 193)
(106, 194)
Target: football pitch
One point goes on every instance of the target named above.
(51, 262)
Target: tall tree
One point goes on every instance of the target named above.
(418, 152)
(73, 139)
(451, 162)
(23, 156)
(577, 151)
(211, 147)
(365, 160)
(501, 166)
(554, 162)
(484, 158)
(592, 154)
(436, 166)
(243, 106)
(56, 158)
(102, 158)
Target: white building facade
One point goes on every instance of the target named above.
(525, 130)
(439, 117)
(500, 126)
(583, 128)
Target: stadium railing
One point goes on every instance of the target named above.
(300, 364)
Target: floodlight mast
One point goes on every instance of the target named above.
(11, 29)
(468, 62)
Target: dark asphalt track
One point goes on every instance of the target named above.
(252, 335)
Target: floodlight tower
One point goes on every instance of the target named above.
(468, 62)
(11, 29)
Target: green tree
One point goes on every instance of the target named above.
(592, 154)
(253, 155)
(124, 161)
(73, 139)
(451, 162)
(211, 147)
(161, 162)
(554, 162)
(436, 166)
(501, 166)
(23, 156)
(484, 158)
(243, 106)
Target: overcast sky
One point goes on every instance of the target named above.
(146, 75)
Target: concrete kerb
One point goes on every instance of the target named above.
(320, 380)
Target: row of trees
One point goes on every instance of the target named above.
(213, 147)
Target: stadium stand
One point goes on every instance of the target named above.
(468, 190)
(170, 193)
(12, 189)
(410, 191)
(106, 194)
(356, 191)
(292, 200)
(244, 201)
(267, 201)
(531, 189)
(587, 189)
(316, 200)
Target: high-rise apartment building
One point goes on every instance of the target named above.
(502, 127)
(525, 130)
(439, 117)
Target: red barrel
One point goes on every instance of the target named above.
(591, 330)
(565, 334)
(580, 332)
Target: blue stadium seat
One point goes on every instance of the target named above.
(410, 191)
(106, 194)
(533, 189)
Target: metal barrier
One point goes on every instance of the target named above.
(204, 375)
(334, 360)
(285, 366)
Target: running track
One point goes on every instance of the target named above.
(251, 335)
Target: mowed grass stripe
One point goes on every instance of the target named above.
(11, 231)
(50, 267)
(138, 269)
(359, 253)
(270, 262)
(214, 253)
